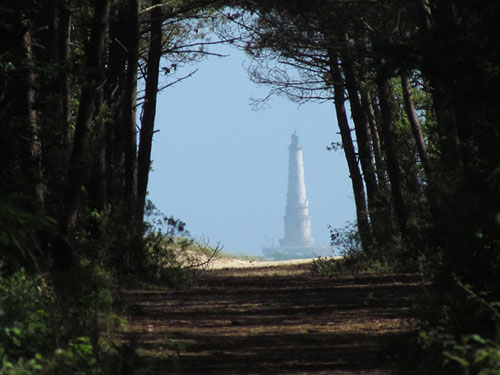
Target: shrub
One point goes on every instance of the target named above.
(77, 358)
(347, 243)
(438, 352)
(171, 254)
(459, 335)
(25, 304)
(44, 332)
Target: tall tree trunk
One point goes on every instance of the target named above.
(362, 131)
(130, 103)
(393, 167)
(59, 35)
(380, 168)
(94, 69)
(63, 49)
(435, 68)
(378, 206)
(415, 126)
(96, 185)
(35, 132)
(114, 91)
(148, 119)
(350, 154)
(383, 227)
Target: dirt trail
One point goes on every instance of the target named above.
(274, 320)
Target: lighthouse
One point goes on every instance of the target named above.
(297, 220)
(297, 241)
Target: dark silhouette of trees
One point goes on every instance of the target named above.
(148, 117)
(350, 153)
(70, 105)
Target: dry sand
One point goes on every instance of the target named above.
(221, 263)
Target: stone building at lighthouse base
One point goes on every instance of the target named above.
(292, 252)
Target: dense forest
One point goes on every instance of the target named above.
(415, 85)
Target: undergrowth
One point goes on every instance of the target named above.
(457, 329)
(66, 322)
(353, 259)
(45, 330)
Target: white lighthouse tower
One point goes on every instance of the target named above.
(297, 220)
(297, 241)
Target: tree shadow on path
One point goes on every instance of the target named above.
(275, 320)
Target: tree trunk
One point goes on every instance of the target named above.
(361, 129)
(415, 126)
(435, 67)
(389, 141)
(94, 68)
(130, 103)
(35, 132)
(350, 154)
(382, 225)
(96, 185)
(59, 33)
(378, 206)
(148, 119)
(375, 138)
(114, 91)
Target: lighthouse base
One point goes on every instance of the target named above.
(297, 252)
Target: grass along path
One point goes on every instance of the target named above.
(271, 320)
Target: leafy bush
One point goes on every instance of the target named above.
(171, 254)
(436, 352)
(111, 240)
(166, 243)
(48, 332)
(25, 319)
(84, 302)
(460, 333)
(346, 241)
(474, 355)
(160, 250)
(77, 358)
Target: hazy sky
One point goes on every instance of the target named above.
(222, 168)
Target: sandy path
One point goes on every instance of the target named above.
(221, 263)
(271, 320)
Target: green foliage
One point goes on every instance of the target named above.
(84, 304)
(161, 250)
(57, 326)
(346, 240)
(25, 315)
(325, 267)
(19, 224)
(165, 241)
(474, 355)
(434, 351)
(31, 340)
(163, 262)
(110, 239)
(354, 263)
(459, 333)
(77, 358)
(172, 256)
(353, 259)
